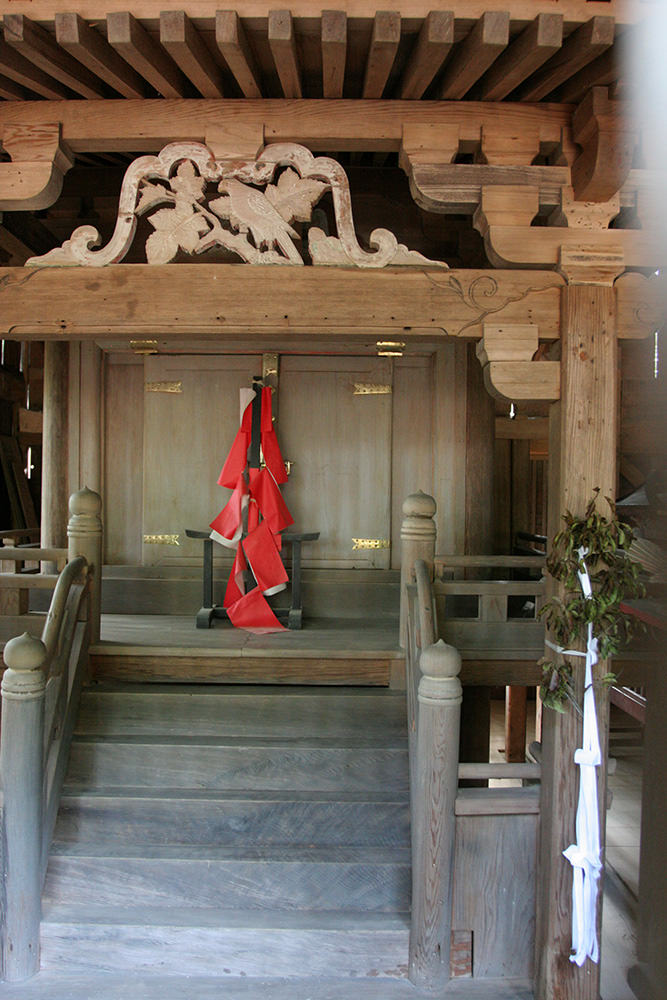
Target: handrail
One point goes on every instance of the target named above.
(434, 697)
(40, 695)
(19, 553)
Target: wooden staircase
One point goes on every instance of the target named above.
(233, 831)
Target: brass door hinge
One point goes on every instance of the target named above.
(370, 543)
(162, 539)
(163, 386)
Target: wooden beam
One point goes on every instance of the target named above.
(372, 126)
(382, 52)
(145, 55)
(514, 380)
(601, 72)
(522, 428)
(536, 43)
(233, 44)
(148, 12)
(432, 47)
(92, 49)
(39, 47)
(226, 299)
(282, 42)
(25, 73)
(334, 52)
(12, 91)
(474, 55)
(40, 160)
(580, 48)
(185, 45)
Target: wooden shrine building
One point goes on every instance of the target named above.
(437, 232)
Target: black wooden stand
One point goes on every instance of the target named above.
(286, 616)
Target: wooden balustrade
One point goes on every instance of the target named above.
(434, 696)
(40, 694)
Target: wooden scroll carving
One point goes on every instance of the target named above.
(246, 206)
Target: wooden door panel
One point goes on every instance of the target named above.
(187, 435)
(340, 444)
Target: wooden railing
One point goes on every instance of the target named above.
(434, 696)
(40, 694)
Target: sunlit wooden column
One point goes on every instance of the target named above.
(55, 493)
(582, 456)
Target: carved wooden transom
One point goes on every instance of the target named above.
(195, 203)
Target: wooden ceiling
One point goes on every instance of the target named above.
(516, 50)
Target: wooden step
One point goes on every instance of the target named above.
(241, 763)
(186, 710)
(372, 879)
(166, 816)
(233, 943)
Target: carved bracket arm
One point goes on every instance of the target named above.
(39, 161)
(509, 356)
(607, 135)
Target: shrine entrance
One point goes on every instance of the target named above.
(342, 422)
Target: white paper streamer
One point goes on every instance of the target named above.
(584, 855)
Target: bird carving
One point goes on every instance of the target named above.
(250, 211)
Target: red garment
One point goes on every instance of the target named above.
(235, 462)
(266, 565)
(252, 612)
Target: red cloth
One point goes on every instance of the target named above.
(235, 584)
(264, 489)
(252, 612)
(266, 565)
(227, 527)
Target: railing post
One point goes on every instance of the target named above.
(433, 820)
(84, 532)
(21, 763)
(418, 533)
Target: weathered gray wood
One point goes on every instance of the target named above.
(276, 944)
(238, 712)
(84, 532)
(417, 542)
(439, 700)
(494, 890)
(109, 985)
(241, 764)
(354, 879)
(54, 447)
(21, 763)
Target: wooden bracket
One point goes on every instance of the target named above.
(591, 265)
(607, 135)
(506, 355)
(238, 141)
(39, 161)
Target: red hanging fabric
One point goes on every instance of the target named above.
(267, 515)
(265, 562)
(252, 612)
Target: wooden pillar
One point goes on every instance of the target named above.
(90, 409)
(582, 454)
(417, 542)
(55, 490)
(433, 817)
(21, 760)
(479, 525)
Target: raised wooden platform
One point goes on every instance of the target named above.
(168, 648)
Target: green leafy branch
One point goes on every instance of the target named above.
(614, 578)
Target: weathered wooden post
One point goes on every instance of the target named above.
(433, 820)
(418, 534)
(84, 532)
(54, 447)
(21, 763)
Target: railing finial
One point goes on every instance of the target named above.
(418, 532)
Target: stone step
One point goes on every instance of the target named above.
(369, 879)
(241, 763)
(170, 816)
(225, 943)
(233, 711)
